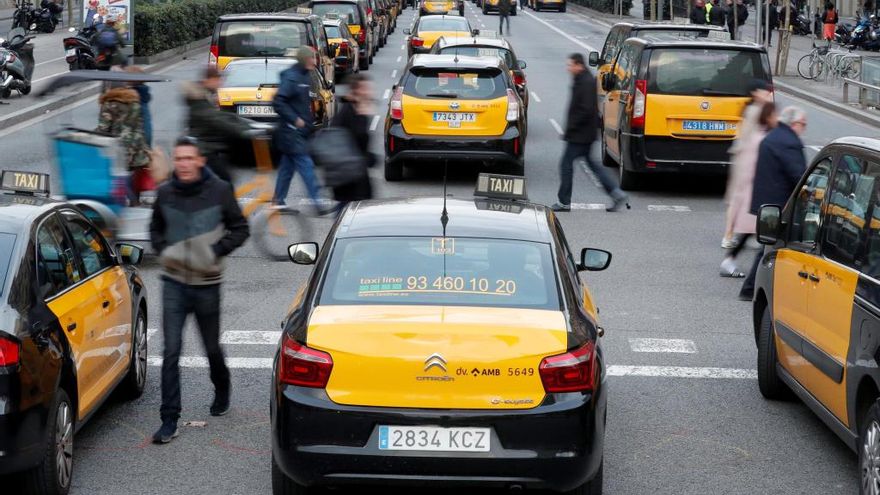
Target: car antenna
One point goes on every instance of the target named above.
(444, 216)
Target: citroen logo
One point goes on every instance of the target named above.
(435, 360)
(454, 105)
(259, 96)
(704, 106)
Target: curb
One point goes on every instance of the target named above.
(839, 108)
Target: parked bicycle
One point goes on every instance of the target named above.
(829, 61)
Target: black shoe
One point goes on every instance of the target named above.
(166, 432)
(618, 203)
(559, 207)
(221, 404)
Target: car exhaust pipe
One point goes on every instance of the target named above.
(6, 82)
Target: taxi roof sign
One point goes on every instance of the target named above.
(25, 182)
(501, 186)
(303, 10)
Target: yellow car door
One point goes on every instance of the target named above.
(620, 81)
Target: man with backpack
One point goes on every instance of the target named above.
(109, 43)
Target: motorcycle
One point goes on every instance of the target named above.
(16, 63)
(24, 15)
(843, 34)
(48, 17)
(79, 50)
(800, 25)
(861, 33)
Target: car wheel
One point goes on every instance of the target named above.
(393, 171)
(538, 6)
(768, 379)
(629, 180)
(518, 168)
(133, 387)
(52, 476)
(485, 11)
(6, 93)
(363, 63)
(592, 487)
(869, 451)
(562, 9)
(282, 485)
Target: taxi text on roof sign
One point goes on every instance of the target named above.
(25, 182)
(501, 186)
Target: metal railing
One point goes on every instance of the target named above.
(864, 88)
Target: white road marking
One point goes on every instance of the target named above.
(399, 58)
(556, 126)
(394, 72)
(375, 123)
(403, 46)
(815, 148)
(563, 33)
(248, 337)
(50, 61)
(682, 346)
(202, 362)
(535, 96)
(386, 94)
(151, 332)
(587, 206)
(681, 372)
(676, 208)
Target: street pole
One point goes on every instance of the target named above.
(671, 11)
(653, 10)
(735, 20)
(758, 20)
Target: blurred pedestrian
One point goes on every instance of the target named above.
(196, 224)
(503, 16)
(145, 97)
(717, 13)
(580, 134)
(829, 22)
(121, 117)
(770, 22)
(781, 163)
(110, 43)
(745, 161)
(294, 106)
(699, 15)
(214, 128)
(736, 18)
(354, 115)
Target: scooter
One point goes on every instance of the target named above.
(48, 17)
(800, 25)
(79, 50)
(24, 15)
(16, 63)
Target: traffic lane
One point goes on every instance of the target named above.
(48, 62)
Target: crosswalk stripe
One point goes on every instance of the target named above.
(249, 337)
(682, 372)
(202, 362)
(677, 208)
(682, 346)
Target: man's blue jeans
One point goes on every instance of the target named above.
(573, 151)
(290, 165)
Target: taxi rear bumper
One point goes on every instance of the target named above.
(663, 154)
(22, 439)
(557, 445)
(508, 147)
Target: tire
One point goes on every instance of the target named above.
(485, 11)
(25, 90)
(869, 450)
(592, 487)
(804, 66)
(364, 63)
(55, 471)
(563, 8)
(282, 485)
(136, 378)
(518, 168)
(629, 180)
(769, 383)
(393, 171)
(6, 93)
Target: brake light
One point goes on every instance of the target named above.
(512, 106)
(570, 372)
(638, 109)
(303, 366)
(397, 104)
(391, 143)
(414, 41)
(8, 352)
(343, 45)
(515, 146)
(215, 54)
(362, 37)
(70, 43)
(519, 79)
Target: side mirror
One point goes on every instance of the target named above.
(522, 64)
(129, 254)
(769, 224)
(594, 260)
(475, 32)
(609, 80)
(594, 59)
(303, 253)
(407, 31)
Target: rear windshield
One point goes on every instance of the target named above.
(456, 24)
(705, 72)
(253, 75)
(347, 11)
(333, 31)
(481, 51)
(683, 33)
(441, 271)
(6, 243)
(468, 84)
(261, 38)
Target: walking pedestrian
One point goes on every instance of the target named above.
(296, 121)
(196, 224)
(143, 92)
(829, 22)
(354, 115)
(503, 16)
(580, 134)
(740, 189)
(736, 18)
(213, 127)
(717, 14)
(699, 15)
(781, 163)
(770, 22)
(120, 116)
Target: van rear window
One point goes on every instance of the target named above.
(467, 84)
(261, 38)
(705, 72)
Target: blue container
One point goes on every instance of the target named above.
(88, 166)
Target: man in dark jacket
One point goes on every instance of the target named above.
(781, 163)
(503, 16)
(354, 115)
(771, 20)
(736, 18)
(196, 224)
(580, 133)
(296, 121)
(717, 13)
(699, 15)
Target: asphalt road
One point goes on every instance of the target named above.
(685, 415)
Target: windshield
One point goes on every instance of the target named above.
(706, 72)
(441, 271)
(434, 24)
(253, 75)
(469, 84)
(481, 51)
(333, 31)
(261, 38)
(7, 241)
(347, 11)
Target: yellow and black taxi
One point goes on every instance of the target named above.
(481, 46)
(428, 30)
(358, 21)
(73, 313)
(816, 307)
(427, 7)
(674, 105)
(455, 107)
(492, 6)
(442, 342)
(538, 5)
(343, 45)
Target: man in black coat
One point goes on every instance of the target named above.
(736, 18)
(699, 16)
(503, 16)
(781, 163)
(580, 133)
(717, 14)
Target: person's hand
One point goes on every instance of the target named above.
(300, 123)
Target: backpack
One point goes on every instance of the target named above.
(334, 150)
(107, 39)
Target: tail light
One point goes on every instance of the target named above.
(512, 106)
(515, 146)
(215, 54)
(397, 104)
(519, 79)
(8, 352)
(343, 45)
(303, 366)
(362, 36)
(70, 43)
(415, 41)
(570, 372)
(638, 109)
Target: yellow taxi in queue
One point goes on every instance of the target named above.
(343, 45)
(816, 308)
(438, 339)
(427, 7)
(492, 6)
(428, 29)
(73, 313)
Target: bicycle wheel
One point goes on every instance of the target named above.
(804, 66)
(852, 68)
(817, 67)
(274, 230)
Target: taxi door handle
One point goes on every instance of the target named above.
(105, 304)
(803, 274)
(71, 327)
(815, 278)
